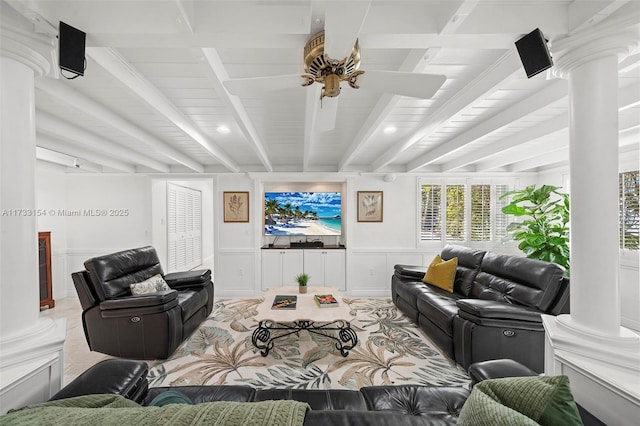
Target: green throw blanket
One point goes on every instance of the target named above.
(521, 401)
(118, 411)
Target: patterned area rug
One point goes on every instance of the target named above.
(391, 350)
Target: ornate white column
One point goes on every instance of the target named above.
(601, 358)
(30, 348)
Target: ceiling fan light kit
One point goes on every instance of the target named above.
(320, 68)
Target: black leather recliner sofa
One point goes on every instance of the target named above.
(494, 310)
(148, 326)
(372, 405)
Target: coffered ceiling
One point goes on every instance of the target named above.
(155, 95)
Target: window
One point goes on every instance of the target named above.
(480, 212)
(462, 212)
(455, 213)
(431, 224)
(629, 188)
(501, 220)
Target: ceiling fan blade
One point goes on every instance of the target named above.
(342, 24)
(326, 115)
(258, 85)
(415, 85)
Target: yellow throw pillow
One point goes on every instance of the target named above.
(441, 273)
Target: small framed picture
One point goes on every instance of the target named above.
(236, 206)
(369, 206)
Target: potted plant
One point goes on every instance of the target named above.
(544, 233)
(302, 279)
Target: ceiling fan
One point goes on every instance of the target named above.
(339, 39)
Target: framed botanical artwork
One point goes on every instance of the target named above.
(236, 206)
(369, 206)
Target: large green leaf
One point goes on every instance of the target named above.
(514, 210)
(535, 240)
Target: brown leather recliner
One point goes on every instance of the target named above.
(148, 326)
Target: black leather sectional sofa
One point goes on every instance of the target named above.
(495, 308)
(147, 326)
(373, 405)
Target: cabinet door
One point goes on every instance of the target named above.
(314, 267)
(292, 265)
(271, 268)
(334, 268)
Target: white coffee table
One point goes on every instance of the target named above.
(307, 316)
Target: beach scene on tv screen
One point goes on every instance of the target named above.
(302, 213)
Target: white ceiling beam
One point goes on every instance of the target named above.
(554, 92)
(48, 123)
(199, 40)
(219, 75)
(81, 102)
(61, 159)
(584, 14)
(505, 68)
(455, 14)
(45, 141)
(51, 156)
(549, 156)
(499, 147)
(187, 14)
(505, 159)
(126, 73)
(297, 41)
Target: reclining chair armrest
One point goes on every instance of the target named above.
(139, 306)
(497, 369)
(412, 272)
(112, 376)
(478, 309)
(186, 279)
(139, 301)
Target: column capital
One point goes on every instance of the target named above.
(616, 38)
(37, 51)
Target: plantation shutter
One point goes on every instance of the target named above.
(184, 228)
(629, 189)
(480, 212)
(430, 213)
(455, 213)
(501, 219)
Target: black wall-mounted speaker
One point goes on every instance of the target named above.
(71, 46)
(534, 53)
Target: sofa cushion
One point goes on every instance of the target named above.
(190, 302)
(439, 306)
(518, 280)
(543, 400)
(112, 274)
(469, 261)
(441, 273)
(439, 404)
(318, 399)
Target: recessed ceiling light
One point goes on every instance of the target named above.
(390, 129)
(223, 129)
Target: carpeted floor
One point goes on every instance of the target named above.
(391, 350)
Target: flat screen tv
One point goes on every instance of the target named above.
(302, 213)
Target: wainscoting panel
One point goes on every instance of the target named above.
(235, 273)
(369, 272)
